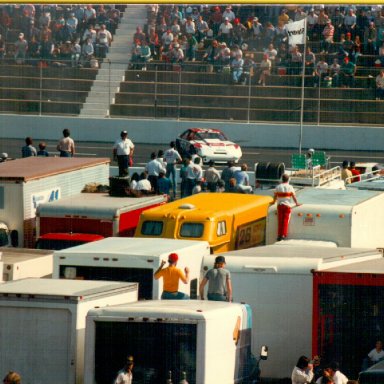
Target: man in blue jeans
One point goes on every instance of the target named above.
(220, 285)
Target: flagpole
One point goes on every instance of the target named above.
(302, 88)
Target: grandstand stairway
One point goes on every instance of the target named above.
(112, 69)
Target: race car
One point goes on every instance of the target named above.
(209, 144)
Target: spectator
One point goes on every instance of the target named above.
(90, 33)
(269, 34)
(348, 45)
(334, 72)
(175, 28)
(145, 54)
(255, 33)
(167, 39)
(45, 20)
(380, 85)
(237, 68)
(321, 71)
(90, 15)
(12, 378)
(190, 27)
(191, 47)
(72, 23)
(2, 48)
(355, 172)
(31, 31)
(265, 69)
(66, 145)
(212, 54)
(198, 187)
(154, 42)
(46, 49)
(201, 28)
(338, 22)
(176, 54)
(75, 53)
(139, 35)
(370, 39)
(347, 73)
(103, 41)
(28, 150)
(87, 50)
(216, 20)
(228, 13)
(295, 61)
(310, 61)
(21, 48)
(328, 34)
(42, 152)
(374, 356)
(225, 31)
(350, 22)
(212, 176)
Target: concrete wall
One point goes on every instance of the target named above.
(162, 131)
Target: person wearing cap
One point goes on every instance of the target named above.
(123, 152)
(283, 195)
(219, 282)
(12, 378)
(347, 73)
(171, 277)
(125, 376)
(66, 145)
(328, 33)
(228, 13)
(225, 31)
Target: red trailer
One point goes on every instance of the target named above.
(348, 313)
(89, 217)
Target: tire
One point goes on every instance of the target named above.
(262, 170)
(275, 170)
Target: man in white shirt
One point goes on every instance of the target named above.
(124, 376)
(172, 157)
(123, 151)
(154, 167)
(335, 374)
(283, 194)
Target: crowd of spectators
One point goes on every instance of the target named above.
(72, 35)
(246, 39)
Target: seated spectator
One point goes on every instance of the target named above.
(225, 57)
(66, 51)
(45, 32)
(265, 69)
(281, 35)
(348, 45)
(212, 54)
(347, 73)
(269, 34)
(239, 32)
(72, 23)
(31, 31)
(175, 28)
(350, 22)
(154, 43)
(167, 39)
(143, 186)
(228, 13)
(139, 35)
(374, 356)
(2, 48)
(28, 150)
(295, 61)
(310, 62)
(90, 15)
(255, 33)
(328, 33)
(381, 54)
(87, 49)
(176, 54)
(225, 31)
(334, 72)
(380, 85)
(271, 51)
(321, 71)
(75, 53)
(201, 28)
(370, 39)
(90, 33)
(242, 179)
(237, 68)
(189, 26)
(145, 54)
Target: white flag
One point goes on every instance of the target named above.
(296, 32)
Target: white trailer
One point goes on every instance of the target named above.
(348, 218)
(25, 183)
(131, 259)
(20, 263)
(276, 281)
(209, 341)
(42, 325)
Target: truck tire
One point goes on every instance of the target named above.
(275, 170)
(262, 170)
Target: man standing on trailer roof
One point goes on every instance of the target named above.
(171, 276)
(123, 151)
(284, 193)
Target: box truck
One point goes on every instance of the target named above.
(20, 263)
(226, 220)
(133, 259)
(348, 313)
(346, 218)
(209, 341)
(26, 183)
(89, 217)
(42, 325)
(276, 281)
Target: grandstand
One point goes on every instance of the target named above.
(194, 89)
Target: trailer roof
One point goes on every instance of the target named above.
(170, 310)
(12, 255)
(97, 205)
(61, 287)
(32, 168)
(367, 266)
(329, 197)
(373, 184)
(292, 259)
(133, 246)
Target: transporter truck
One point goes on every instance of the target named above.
(205, 342)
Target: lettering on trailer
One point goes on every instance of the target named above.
(251, 234)
(44, 197)
(308, 221)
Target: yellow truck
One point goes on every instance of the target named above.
(228, 221)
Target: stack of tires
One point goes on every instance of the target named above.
(118, 186)
(267, 171)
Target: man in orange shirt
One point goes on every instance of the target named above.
(171, 276)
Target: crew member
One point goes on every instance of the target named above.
(123, 151)
(284, 193)
(171, 276)
(124, 376)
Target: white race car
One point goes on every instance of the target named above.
(209, 144)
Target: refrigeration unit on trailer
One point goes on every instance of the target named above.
(42, 325)
(132, 259)
(20, 263)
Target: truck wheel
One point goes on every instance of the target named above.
(262, 170)
(276, 170)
